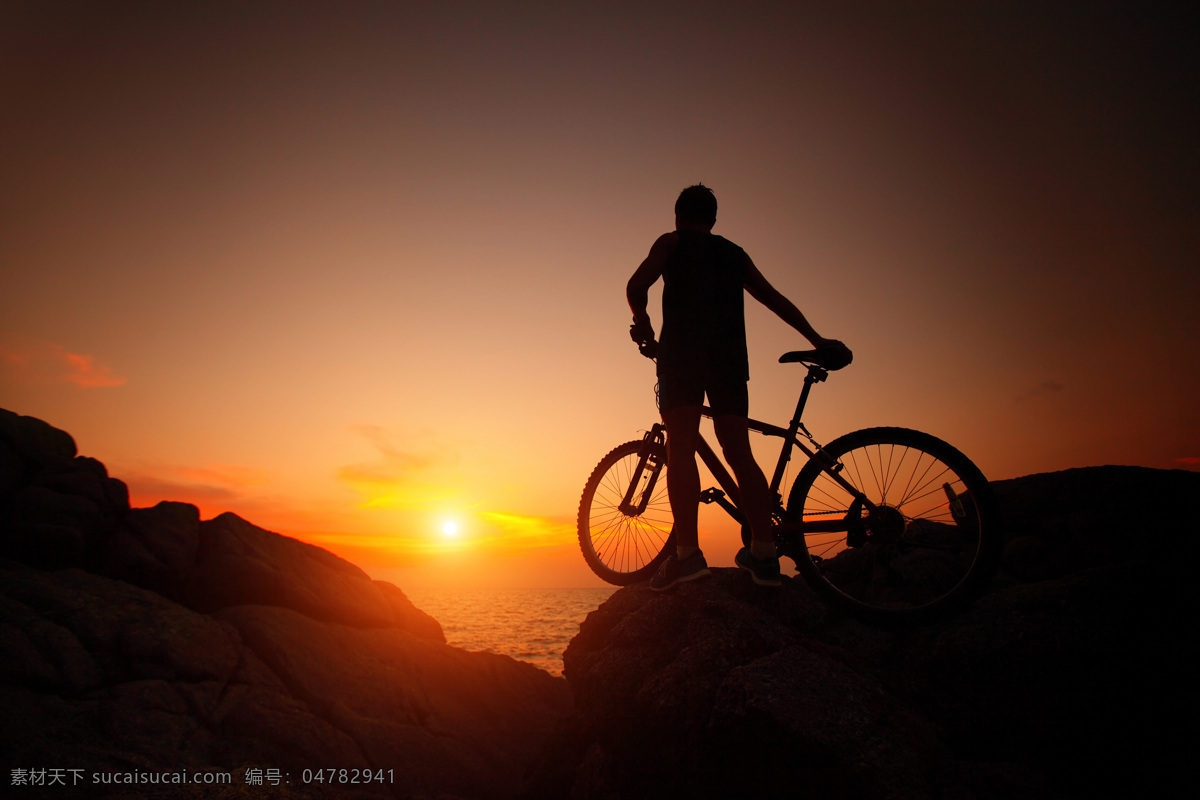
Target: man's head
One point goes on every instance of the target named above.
(696, 207)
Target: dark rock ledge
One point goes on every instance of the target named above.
(147, 640)
(1067, 679)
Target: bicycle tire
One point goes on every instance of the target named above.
(625, 548)
(925, 552)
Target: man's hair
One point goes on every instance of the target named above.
(697, 204)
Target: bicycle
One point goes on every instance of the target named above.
(891, 523)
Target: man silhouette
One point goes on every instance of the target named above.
(702, 351)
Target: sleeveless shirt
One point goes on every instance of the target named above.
(704, 324)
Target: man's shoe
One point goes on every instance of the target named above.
(674, 571)
(764, 571)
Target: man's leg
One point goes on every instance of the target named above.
(760, 558)
(734, 436)
(683, 477)
(683, 487)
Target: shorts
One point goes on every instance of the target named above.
(725, 395)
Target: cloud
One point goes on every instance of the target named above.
(412, 475)
(201, 486)
(35, 362)
(1191, 461)
(234, 475)
(523, 533)
(88, 374)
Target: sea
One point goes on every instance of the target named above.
(533, 625)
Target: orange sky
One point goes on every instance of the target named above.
(355, 270)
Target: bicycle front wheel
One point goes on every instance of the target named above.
(923, 543)
(625, 518)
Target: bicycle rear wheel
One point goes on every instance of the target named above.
(625, 518)
(927, 546)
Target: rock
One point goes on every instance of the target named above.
(127, 633)
(36, 443)
(149, 640)
(12, 470)
(446, 720)
(155, 548)
(46, 528)
(1089, 517)
(58, 510)
(678, 692)
(226, 562)
(1058, 682)
(184, 719)
(55, 508)
(101, 675)
(1069, 677)
(241, 564)
(407, 616)
(99, 655)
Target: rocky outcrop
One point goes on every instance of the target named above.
(227, 562)
(149, 640)
(61, 510)
(101, 676)
(1065, 680)
(55, 506)
(152, 640)
(463, 724)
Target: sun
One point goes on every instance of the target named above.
(450, 528)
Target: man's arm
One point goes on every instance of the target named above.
(638, 288)
(762, 291)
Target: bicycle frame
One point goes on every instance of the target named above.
(891, 550)
(728, 496)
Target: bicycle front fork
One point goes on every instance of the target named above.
(645, 474)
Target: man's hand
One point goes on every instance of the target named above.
(845, 356)
(642, 332)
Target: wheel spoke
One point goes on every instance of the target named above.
(620, 547)
(912, 553)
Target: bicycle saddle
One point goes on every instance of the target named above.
(829, 357)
